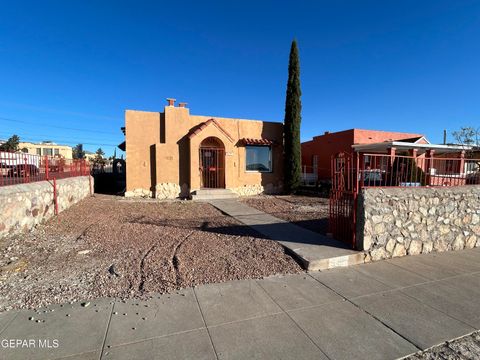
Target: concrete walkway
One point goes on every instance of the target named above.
(383, 310)
(315, 251)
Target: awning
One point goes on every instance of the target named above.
(250, 141)
(401, 145)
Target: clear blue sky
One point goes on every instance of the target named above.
(389, 65)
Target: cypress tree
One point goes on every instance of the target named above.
(293, 117)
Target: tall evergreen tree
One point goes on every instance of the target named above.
(293, 118)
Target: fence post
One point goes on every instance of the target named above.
(462, 172)
(429, 155)
(25, 178)
(55, 195)
(46, 167)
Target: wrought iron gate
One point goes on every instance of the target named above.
(212, 167)
(343, 198)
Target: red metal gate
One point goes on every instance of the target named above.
(212, 167)
(343, 198)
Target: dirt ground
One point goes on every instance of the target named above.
(110, 246)
(467, 347)
(305, 211)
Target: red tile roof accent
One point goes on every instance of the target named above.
(207, 123)
(249, 141)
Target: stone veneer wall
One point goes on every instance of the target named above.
(162, 191)
(24, 206)
(249, 190)
(173, 191)
(395, 222)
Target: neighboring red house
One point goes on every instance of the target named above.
(317, 153)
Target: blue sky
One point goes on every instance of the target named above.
(69, 69)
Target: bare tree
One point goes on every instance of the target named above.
(469, 137)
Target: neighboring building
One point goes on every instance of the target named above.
(89, 155)
(46, 148)
(173, 153)
(317, 153)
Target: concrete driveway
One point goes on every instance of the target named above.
(382, 310)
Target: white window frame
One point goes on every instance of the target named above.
(270, 159)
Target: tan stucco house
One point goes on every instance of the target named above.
(174, 154)
(46, 148)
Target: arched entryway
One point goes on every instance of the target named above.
(212, 163)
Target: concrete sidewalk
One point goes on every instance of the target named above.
(313, 250)
(382, 310)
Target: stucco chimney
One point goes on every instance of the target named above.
(171, 102)
(182, 104)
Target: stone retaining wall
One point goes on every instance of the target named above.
(399, 221)
(24, 206)
(250, 190)
(173, 191)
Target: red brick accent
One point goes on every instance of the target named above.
(249, 141)
(202, 126)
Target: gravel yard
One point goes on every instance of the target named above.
(110, 246)
(467, 347)
(305, 211)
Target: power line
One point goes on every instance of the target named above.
(69, 142)
(29, 133)
(54, 126)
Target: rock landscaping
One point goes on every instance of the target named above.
(114, 247)
(466, 347)
(306, 211)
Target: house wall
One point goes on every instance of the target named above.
(329, 144)
(24, 206)
(163, 160)
(395, 222)
(63, 150)
(325, 146)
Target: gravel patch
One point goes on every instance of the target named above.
(467, 347)
(108, 246)
(306, 211)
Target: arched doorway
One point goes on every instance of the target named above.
(212, 163)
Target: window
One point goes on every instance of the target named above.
(39, 151)
(57, 151)
(48, 151)
(315, 163)
(259, 158)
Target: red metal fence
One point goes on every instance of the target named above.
(343, 199)
(405, 171)
(20, 168)
(351, 172)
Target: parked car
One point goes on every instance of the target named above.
(372, 177)
(5, 169)
(23, 170)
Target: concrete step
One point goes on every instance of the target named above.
(213, 194)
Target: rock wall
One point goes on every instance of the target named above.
(24, 206)
(249, 190)
(173, 191)
(162, 191)
(395, 222)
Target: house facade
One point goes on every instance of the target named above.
(317, 153)
(46, 148)
(173, 154)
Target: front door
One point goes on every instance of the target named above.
(212, 167)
